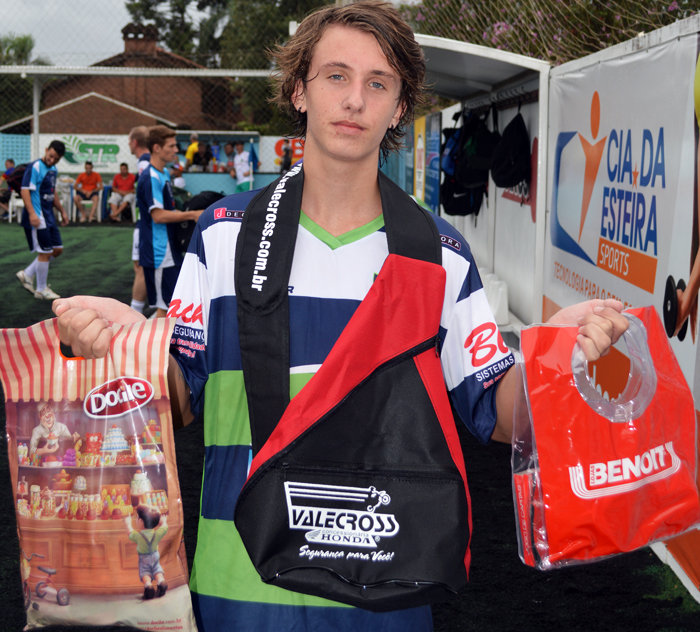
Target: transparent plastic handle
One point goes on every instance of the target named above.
(641, 383)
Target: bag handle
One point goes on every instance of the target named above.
(641, 383)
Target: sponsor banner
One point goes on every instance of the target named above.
(419, 159)
(105, 152)
(270, 154)
(433, 134)
(622, 160)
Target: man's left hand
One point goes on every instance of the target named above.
(600, 323)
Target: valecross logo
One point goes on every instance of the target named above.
(339, 526)
(118, 397)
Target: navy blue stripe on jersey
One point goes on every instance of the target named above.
(472, 283)
(223, 352)
(314, 327)
(225, 471)
(215, 613)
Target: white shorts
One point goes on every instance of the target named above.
(135, 246)
(118, 198)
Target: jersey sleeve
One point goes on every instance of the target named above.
(190, 305)
(156, 196)
(31, 176)
(473, 355)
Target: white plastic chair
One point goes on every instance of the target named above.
(14, 206)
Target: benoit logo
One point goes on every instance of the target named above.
(624, 475)
(118, 397)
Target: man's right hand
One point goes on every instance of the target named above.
(85, 323)
(34, 219)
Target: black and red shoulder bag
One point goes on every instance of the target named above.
(357, 491)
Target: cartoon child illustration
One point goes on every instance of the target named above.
(153, 528)
(48, 426)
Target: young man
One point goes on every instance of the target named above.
(138, 139)
(241, 168)
(123, 192)
(349, 102)
(159, 255)
(87, 189)
(43, 237)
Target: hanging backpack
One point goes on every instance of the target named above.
(511, 160)
(357, 490)
(201, 201)
(459, 200)
(14, 180)
(478, 146)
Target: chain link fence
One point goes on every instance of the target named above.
(556, 31)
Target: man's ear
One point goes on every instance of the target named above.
(398, 114)
(298, 98)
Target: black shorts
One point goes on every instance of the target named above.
(86, 196)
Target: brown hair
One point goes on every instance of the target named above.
(158, 134)
(140, 135)
(149, 515)
(394, 37)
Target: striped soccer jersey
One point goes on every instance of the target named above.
(329, 278)
(157, 246)
(40, 180)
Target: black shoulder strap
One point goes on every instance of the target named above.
(264, 253)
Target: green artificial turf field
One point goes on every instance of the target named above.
(96, 260)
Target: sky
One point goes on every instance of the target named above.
(68, 32)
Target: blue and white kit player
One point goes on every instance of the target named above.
(39, 221)
(159, 254)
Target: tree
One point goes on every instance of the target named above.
(553, 30)
(16, 92)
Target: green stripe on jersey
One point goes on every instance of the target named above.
(218, 544)
(226, 410)
(344, 239)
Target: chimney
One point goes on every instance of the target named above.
(140, 39)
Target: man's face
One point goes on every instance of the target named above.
(228, 149)
(239, 148)
(132, 146)
(46, 417)
(168, 151)
(88, 168)
(8, 165)
(51, 157)
(352, 97)
(124, 170)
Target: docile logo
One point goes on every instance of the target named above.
(118, 397)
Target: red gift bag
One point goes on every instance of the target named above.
(591, 477)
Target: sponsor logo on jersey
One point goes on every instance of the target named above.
(483, 343)
(451, 242)
(223, 212)
(188, 313)
(624, 475)
(118, 397)
(325, 512)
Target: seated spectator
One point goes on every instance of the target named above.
(87, 189)
(192, 149)
(123, 192)
(176, 176)
(227, 160)
(202, 157)
(5, 190)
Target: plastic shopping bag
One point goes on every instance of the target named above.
(92, 463)
(591, 477)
